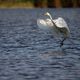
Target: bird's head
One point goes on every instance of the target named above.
(48, 14)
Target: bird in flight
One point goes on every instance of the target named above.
(58, 26)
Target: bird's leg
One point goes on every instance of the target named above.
(62, 42)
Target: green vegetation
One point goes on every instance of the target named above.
(24, 0)
(39, 3)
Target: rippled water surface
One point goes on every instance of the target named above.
(28, 53)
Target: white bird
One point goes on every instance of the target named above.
(58, 26)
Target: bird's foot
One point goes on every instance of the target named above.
(61, 44)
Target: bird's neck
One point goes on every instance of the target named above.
(50, 17)
(52, 20)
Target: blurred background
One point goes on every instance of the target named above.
(39, 3)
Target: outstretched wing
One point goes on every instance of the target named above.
(44, 24)
(60, 22)
(62, 26)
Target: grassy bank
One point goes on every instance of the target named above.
(16, 5)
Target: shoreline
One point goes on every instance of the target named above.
(17, 5)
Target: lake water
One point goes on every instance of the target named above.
(29, 53)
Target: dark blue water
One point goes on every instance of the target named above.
(28, 53)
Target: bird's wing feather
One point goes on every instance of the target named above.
(64, 31)
(60, 22)
(44, 24)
